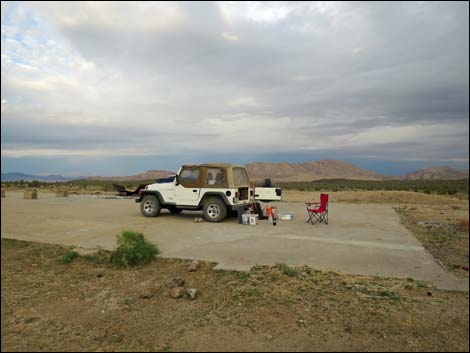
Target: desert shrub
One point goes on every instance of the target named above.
(288, 271)
(389, 294)
(133, 250)
(68, 257)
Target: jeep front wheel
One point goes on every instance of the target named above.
(214, 210)
(150, 206)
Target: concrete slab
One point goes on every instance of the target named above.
(360, 239)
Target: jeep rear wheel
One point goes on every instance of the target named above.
(214, 210)
(150, 206)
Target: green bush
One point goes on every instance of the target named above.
(133, 250)
(287, 270)
(68, 257)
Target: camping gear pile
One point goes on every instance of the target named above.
(255, 213)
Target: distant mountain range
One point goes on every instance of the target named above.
(282, 172)
(308, 171)
(332, 169)
(437, 173)
(30, 177)
(148, 175)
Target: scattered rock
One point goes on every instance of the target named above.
(429, 294)
(195, 265)
(146, 294)
(171, 285)
(177, 292)
(192, 293)
(179, 281)
(430, 224)
(99, 273)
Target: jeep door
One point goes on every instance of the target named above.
(189, 186)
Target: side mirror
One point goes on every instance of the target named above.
(177, 182)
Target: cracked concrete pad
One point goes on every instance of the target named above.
(360, 239)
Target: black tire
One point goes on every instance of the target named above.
(150, 206)
(214, 210)
(174, 209)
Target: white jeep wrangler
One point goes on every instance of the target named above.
(217, 189)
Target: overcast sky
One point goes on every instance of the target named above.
(119, 88)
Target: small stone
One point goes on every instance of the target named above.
(177, 292)
(179, 281)
(171, 285)
(192, 293)
(99, 273)
(146, 294)
(195, 265)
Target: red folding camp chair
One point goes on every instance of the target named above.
(318, 213)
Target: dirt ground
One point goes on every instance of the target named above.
(88, 305)
(444, 233)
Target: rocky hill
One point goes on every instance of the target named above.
(309, 171)
(437, 173)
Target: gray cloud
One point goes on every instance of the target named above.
(143, 78)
